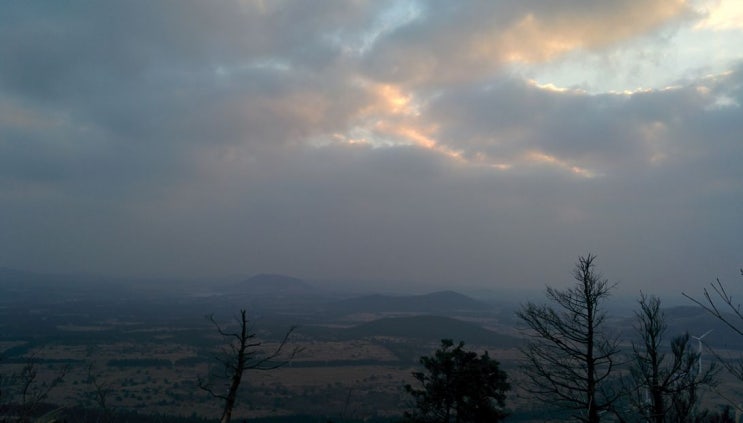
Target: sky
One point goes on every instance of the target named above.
(467, 143)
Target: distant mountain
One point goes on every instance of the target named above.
(696, 321)
(9, 276)
(436, 302)
(431, 328)
(272, 284)
(26, 281)
(22, 286)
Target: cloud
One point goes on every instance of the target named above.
(720, 15)
(144, 88)
(357, 140)
(480, 38)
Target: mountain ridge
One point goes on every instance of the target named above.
(434, 302)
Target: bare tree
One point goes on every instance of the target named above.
(100, 394)
(719, 303)
(665, 388)
(243, 353)
(570, 359)
(26, 390)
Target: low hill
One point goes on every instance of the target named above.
(272, 284)
(430, 328)
(696, 321)
(436, 302)
(25, 287)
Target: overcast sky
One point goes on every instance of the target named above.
(459, 142)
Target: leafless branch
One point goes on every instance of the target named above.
(240, 354)
(570, 358)
(710, 304)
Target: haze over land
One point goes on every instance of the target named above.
(151, 347)
(458, 144)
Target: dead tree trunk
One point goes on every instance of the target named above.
(242, 353)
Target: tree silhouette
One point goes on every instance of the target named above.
(458, 386)
(665, 388)
(720, 304)
(242, 353)
(26, 390)
(570, 359)
(100, 394)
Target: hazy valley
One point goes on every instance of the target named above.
(148, 348)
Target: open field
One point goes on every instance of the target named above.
(148, 355)
(327, 378)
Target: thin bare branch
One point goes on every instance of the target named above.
(570, 359)
(240, 354)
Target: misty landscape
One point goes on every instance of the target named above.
(146, 350)
(408, 211)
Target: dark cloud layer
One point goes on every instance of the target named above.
(200, 139)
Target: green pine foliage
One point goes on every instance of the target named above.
(458, 386)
